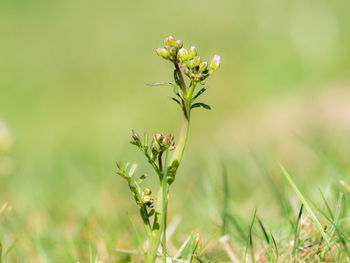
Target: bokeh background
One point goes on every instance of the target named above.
(72, 86)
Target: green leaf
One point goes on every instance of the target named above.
(177, 93)
(200, 104)
(297, 230)
(176, 100)
(166, 84)
(201, 91)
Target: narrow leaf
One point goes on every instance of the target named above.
(200, 104)
(263, 230)
(176, 100)
(297, 230)
(201, 91)
(165, 84)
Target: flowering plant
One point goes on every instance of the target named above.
(153, 210)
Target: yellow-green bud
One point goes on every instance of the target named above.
(192, 52)
(158, 137)
(165, 141)
(146, 199)
(197, 61)
(170, 136)
(215, 63)
(183, 54)
(186, 71)
(172, 146)
(190, 64)
(172, 53)
(178, 44)
(147, 191)
(170, 40)
(203, 66)
(159, 51)
(164, 53)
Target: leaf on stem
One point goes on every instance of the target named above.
(200, 92)
(165, 84)
(200, 104)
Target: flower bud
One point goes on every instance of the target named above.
(190, 64)
(170, 136)
(158, 137)
(178, 44)
(203, 66)
(165, 141)
(164, 53)
(146, 199)
(159, 51)
(192, 52)
(215, 63)
(198, 76)
(147, 191)
(135, 136)
(170, 40)
(183, 54)
(196, 60)
(172, 52)
(134, 142)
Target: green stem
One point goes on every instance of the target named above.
(164, 205)
(181, 144)
(154, 238)
(160, 210)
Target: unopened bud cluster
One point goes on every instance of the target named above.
(170, 49)
(165, 142)
(194, 67)
(146, 198)
(158, 144)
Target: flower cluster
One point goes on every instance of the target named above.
(146, 198)
(192, 64)
(170, 49)
(163, 142)
(159, 144)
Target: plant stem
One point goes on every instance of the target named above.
(164, 204)
(159, 223)
(181, 144)
(154, 238)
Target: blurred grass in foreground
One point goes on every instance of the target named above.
(72, 85)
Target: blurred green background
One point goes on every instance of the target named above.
(72, 86)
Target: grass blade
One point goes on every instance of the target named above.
(226, 200)
(308, 208)
(263, 230)
(297, 230)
